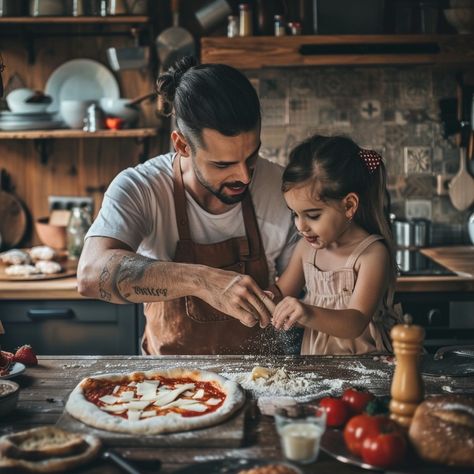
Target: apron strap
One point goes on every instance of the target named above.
(360, 248)
(253, 247)
(180, 201)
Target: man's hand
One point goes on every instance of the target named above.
(238, 296)
(290, 311)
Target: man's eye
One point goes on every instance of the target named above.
(221, 165)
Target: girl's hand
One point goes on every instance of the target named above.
(290, 311)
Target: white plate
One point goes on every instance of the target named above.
(80, 79)
(17, 369)
(36, 125)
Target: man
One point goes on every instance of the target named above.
(196, 235)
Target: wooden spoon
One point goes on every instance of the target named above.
(461, 187)
(141, 98)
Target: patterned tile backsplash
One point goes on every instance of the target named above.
(392, 110)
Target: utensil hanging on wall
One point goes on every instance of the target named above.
(461, 187)
(13, 218)
(175, 42)
(135, 57)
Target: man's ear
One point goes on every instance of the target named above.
(351, 204)
(179, 143)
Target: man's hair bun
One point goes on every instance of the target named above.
(168, 82)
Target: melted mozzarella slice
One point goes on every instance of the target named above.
(148, 414)
(114, 408)
(127, 396)
(166, 397)
(196, 407)
(213, 401)
(133, 415)
(147, 390)
(182, 402)
(137, 405)
(199, 393)
(109, 399)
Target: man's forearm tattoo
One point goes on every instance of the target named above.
(103, 279)
(131, 269)
(139, 290)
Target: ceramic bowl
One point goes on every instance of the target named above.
(53, 236)
(73, 112)
(462, 19)
(16, 101)
(9, 393)
(118, 108)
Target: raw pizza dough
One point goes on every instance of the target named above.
(155, 401)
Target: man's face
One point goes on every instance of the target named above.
(224, 165)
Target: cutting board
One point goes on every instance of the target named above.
(229, 434)
(459, 259)
(13, 221)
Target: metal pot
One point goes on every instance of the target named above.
(411, 233)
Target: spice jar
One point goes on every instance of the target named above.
(245, 20)
(232, 26)
(76, 230)
(295, 27)
(279, 25)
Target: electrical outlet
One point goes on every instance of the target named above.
(68, 202)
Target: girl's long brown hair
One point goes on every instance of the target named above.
(334, 168)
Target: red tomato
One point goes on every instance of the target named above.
(114, 123)
(384, 450)
(361, 426)
(357, 399)
(337, 411)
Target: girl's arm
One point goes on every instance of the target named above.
(291, 281)
(372, 280)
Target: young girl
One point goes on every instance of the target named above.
(336, 192)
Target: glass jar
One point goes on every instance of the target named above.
(245, 20)
(232, 26)
(76, 230)
(279, 25)
(295, 28)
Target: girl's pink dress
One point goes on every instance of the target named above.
(333, 289)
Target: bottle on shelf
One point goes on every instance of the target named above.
(279, 25)
(245, 20)
(76, 230)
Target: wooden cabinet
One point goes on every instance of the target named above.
(335, 50)
(70, 327)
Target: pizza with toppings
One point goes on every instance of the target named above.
(156, 401)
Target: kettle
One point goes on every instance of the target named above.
(470, 227)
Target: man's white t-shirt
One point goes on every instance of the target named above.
(138, 209)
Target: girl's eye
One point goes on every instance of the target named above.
(315, 217)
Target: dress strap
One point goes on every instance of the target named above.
(370, 239)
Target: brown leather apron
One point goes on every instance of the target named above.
(188, 325)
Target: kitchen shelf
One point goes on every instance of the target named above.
(254, 52)
(26, 20)
(69, 133)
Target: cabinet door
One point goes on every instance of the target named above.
(70, 327)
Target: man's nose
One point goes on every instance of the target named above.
(245, 174)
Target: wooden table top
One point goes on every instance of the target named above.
(45, 388)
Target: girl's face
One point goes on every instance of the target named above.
(320, 223)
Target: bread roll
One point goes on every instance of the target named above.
(442, 430)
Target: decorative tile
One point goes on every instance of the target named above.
(304, 85)
(370, 109)
(417, 159)
(419, 185)
(415, 87)
(418, 208)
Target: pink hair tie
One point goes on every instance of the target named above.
(371, 159)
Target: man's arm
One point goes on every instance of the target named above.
(109, 270)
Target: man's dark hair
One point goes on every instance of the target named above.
(213, 96)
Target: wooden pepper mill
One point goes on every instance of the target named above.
(407, 389)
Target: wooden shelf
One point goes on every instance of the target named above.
(36, 20)
(45, 134)
(255, 52)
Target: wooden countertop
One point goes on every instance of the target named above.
(459, 259)
(45, 388)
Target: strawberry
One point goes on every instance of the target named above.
(25, 355)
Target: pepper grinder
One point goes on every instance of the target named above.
(407, 389)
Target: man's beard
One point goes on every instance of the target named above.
(218, 192)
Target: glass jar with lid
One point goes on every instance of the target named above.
(76, 230)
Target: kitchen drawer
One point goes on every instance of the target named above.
(70, 327)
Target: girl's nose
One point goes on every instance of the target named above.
(301, 224)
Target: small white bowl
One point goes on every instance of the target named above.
(16, 101)
(73, 112)
(9, 393)
(118, 108)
